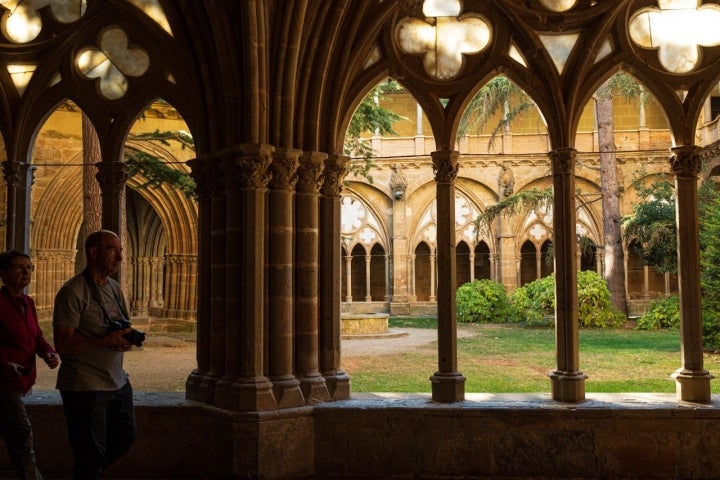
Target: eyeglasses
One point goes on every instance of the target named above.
(24, 268)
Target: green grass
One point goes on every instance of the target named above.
(506, 359)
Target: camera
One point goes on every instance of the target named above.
(136, 337)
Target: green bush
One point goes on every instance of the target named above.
(594, 306)
(663, 313)
(483, 301)
(536, 300)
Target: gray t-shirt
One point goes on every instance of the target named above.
(101, 368)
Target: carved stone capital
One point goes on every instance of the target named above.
(686, 161)
(201, 169)
(563, 161)
(12, 172)
(247, 166)
(445, 166)
(284, 168)
(112, 176)
(333, 176)
(310, 172)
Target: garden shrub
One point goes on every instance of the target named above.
(536, 300)
(594, 306)
(664, 313)
(483, 301)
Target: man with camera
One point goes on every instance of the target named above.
(91, 332)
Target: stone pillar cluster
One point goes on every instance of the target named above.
(268, 279)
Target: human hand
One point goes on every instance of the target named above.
(52, 360)
(19, 369)
(115, 340)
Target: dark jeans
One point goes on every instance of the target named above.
(101, 428)
(16, 431)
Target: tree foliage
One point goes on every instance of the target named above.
(155, 171)
(650, 230)
(369, 117)
(499, 94)
(709, 211)
(520, 202)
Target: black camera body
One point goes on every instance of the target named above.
(136, 337)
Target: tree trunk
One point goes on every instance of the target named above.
(614, 258)
(92, 199)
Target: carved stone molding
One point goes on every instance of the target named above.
(247, 166)
(333, 176)
(445, 166)
(112, 176)
(686, 161)
(284, 168)
(310, 172)
(563, 161)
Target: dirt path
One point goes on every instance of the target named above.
(164, 362)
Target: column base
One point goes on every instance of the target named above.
(314, 389)
(338, 385)
(287, 393)
(192, 385)
(447, 387)
(692, 386)
(206, 388)
(245, 394)
(568, 386)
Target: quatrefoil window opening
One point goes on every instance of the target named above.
(444, 38)
(677, 30)
(113, 62)
(21, 22)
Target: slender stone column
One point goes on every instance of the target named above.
(112, 177)
(200, 384)
(433, 269)
(368, 280)
(692, 381)
(567, 381)
(399, 279)
(448, 385)
(281, 290)
(11, 174)
(23, 206)
(244, 385)
(307, 237)
(348, 277)
(338, 382)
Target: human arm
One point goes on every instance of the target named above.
(68, 341)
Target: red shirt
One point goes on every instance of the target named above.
(20, 340)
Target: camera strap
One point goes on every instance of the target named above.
(98, 298)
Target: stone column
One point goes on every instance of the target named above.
(567, 381)
(400, 277)
(471, 259)
(209, 189)
(368, 280)
(692, 381)
(312, 383)
(19, 178)
(11, 174)
(244, 385)
(348, 278)
(433, 269)
(338, 382)
(281, 290)
(112, 177)
(447, 384)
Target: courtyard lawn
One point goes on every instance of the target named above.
(508, 359)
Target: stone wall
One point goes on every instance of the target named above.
(609, 436)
